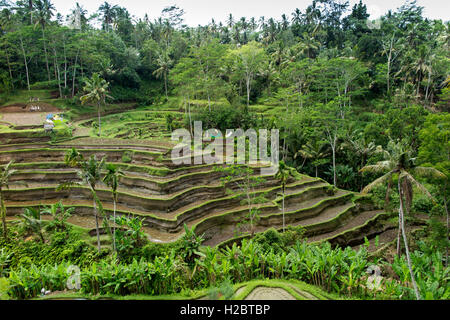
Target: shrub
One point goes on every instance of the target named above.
(53, 84)
(225, 117)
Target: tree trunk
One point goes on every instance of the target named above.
(405, 240)
(248, 93)
(190, 118)
(46, 55)
(165, 83)
(96, 226)
(26, 64)
(9, 68)
(446, 212)
(74, 72)
(114, 225)
(65, 63)
(334, 164)
(57, 75)
(283, 208)
(99, 123)
(3, 213)
(399, 234)
(30, 8)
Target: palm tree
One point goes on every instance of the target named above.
(283, 175)
(362, 149)
(111, 179)
(96, 92)
(309, 46)
(109, 13)
(230, 21)
(72, 157)
(164, 62)
(314, 151)
(89, 172)
(5, 173)
(44, 13)
(398, 161)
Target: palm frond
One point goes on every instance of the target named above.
(380, 167)
(377, 182)
(428, 172)
(417, 184)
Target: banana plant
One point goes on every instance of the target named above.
(32, 221)
(5, 173)
(60, 214)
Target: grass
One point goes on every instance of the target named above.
(3, 289)
(71, 295)
(23, 96)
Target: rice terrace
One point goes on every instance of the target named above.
(338, 190)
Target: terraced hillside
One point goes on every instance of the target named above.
(168, 196)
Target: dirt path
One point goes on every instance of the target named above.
(266, 293)
(25, 118)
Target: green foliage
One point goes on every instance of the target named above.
(224, 292)
(129, 235)
(4, 285)
(31, 221)
(127, 156)
(5, 259)
(51, 85)
(60, 214)
(223, 117)
(190, 244)
(431, 274)
(60, 247)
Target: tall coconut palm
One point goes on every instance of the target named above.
(309, 46)
(283, 175)
(44, 13)
(5, 173)
(399, 162)
(111, 179)
(109, 13)
(89, 172)
(164, 62)
(96, 92)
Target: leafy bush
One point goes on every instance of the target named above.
(4, 285)
(429, 271)
(28, 282)
(422, 204)
(129, 235)
(53, 84)
(5, 259)
(224, 292)
(63, 246)
(127, 156)
(225, 117)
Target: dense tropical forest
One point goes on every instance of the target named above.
(362, 107)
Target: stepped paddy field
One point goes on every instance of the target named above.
(123, 176)
(185, 218)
